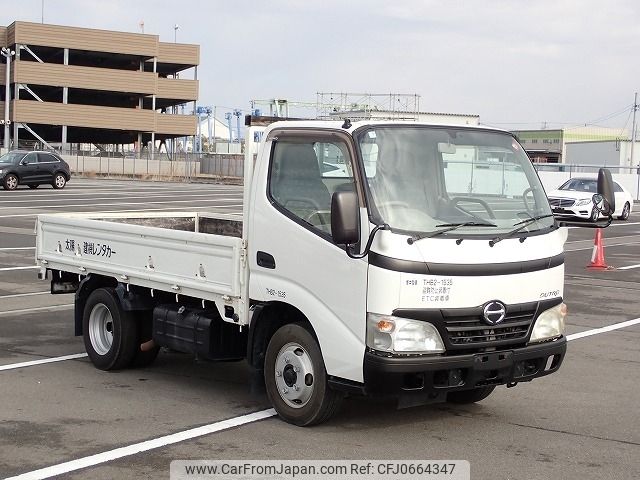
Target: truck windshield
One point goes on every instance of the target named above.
(421, 178)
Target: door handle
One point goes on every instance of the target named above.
(265, 260)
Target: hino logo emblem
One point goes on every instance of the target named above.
(494, 312)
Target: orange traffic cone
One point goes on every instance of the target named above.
(597, 257)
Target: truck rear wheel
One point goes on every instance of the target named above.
(296, 379)
(110, 334)
(470, 396)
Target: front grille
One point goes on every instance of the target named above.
(561, 202)
(470, 331)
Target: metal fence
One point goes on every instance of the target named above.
(574, 170)
(178, 167)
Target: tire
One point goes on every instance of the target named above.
(145, 333)
(625, 212)
(296, 379)
(59, 181)
(594, 215)
(33, 186)
(10, 182)
(110, 334)
(463, 397)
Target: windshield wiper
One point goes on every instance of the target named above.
(450, 226)
(523, 224)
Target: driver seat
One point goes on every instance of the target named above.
(296, 180)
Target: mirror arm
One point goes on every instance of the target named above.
(367, 247)
(584, 225)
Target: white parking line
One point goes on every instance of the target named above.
(66, 306)
(34, 203)
(16, 295)
(145, 446)
(569, 249)
(608, 328)
(10, 269)
(623, 224)
(120, 193)
(13, 366)
(629, 267)
(208, 207)
(7, 249)
(118, 204)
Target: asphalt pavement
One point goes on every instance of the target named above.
(580, 423)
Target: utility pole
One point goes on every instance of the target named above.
(633, 143)
(633, 131)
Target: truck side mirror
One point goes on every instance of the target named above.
(607, 201)
(345, 218)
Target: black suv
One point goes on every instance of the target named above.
(33, 168)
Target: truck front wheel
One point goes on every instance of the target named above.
(470, 396)
(296, 379)
(110, 334)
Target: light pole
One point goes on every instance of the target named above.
(7, 53)
(175, 32)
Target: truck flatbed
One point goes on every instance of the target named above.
(187, 253)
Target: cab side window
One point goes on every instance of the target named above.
(30, 158)
(46, 158)
(304, 175)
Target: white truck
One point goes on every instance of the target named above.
(429, 268)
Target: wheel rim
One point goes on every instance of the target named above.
(101, 329)
(625, 211)
(12, 182)
(60, 181)
(294, 375)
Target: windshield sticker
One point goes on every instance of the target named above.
(426, 289)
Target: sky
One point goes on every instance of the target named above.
(516, 63)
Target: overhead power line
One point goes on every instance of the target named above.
(550, 123)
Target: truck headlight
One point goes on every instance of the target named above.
(400, 335)
(550, 324)
(584, 201)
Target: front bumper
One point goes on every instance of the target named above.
(436, 376)
(583, 211)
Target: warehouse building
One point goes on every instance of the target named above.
(550, 145)
(70, 85)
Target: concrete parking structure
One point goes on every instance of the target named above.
(80, 85)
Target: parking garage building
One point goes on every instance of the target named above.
(71, 85)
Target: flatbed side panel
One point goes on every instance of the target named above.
(197, 264)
